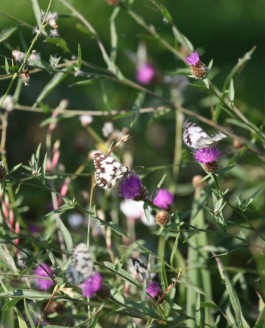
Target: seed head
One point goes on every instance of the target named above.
(24, 75)
(162, 217)
(18, 55)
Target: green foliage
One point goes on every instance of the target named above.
(84, 93)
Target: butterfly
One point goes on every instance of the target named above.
(139, 267)
(195, 137)
(81, 265)
(108, 170)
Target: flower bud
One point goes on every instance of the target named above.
(162, 217)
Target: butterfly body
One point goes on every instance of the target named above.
(81, 265)
(195, 137)
(108, 170)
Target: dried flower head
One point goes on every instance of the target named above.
(8, 103)
(162, 217)
(24, 75)
(163, 199)
(208, 157)
(153, 289)
(107, 129)
(43, 271)
(92, 285)
(145, 74)
(198, 68)
(131, 187)
(33, 57)
(197, 182)
(86, 120)
(18, 55)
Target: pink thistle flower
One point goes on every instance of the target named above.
(198, 68)
(208, 158)
(163, 199)
(153, 289)
(193, 58)
(207, 155)
(131, 187)
(145, 74)
(43, 284)
(92, 285)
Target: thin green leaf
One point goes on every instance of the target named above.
(5, 34)
(25, 293)
(121, 272)
(241, 322)
(29, 317)
(231, 93)
(59, 42)
(136, 108)
(7, 66)
(21, 321)
(114, 35)
(66, 234)
(50, 86)
(79, 57)
(7, 259)
(37, 11)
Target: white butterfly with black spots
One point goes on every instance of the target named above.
(195, 137)
(139, 268)
(81, 265)
(108, 170)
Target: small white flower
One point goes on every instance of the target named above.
(134, 210)
(54, 61)
(75, 220)
(107, 129)
(18, 55)
(36, 30)
(86, 120)
(8, 103)
(34, 57)
(54, 33)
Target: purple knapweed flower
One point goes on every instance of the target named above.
(208, 158)
(131, 187)
(153, 289)
(163, 199)
(193, 59)
(145, 74)
(43, 284)
(207, 155)
(92, 285)
(198, 68)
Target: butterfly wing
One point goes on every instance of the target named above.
(195, 137)
(108, 170)
(81, 265)
(139, 267)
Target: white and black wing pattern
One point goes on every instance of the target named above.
(81, 265)
(108, 170)
(139, 267)
(195, 137)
